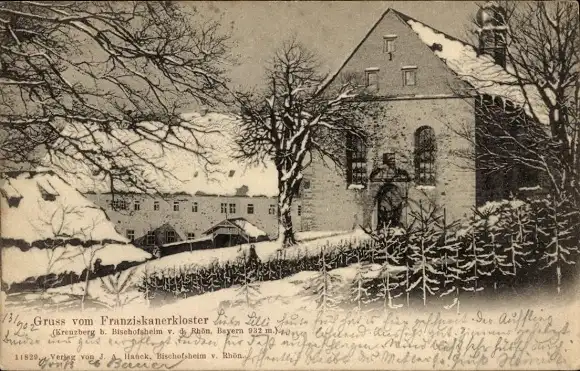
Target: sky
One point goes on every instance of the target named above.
(331, 29)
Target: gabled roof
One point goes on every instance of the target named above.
(241, 224)
(40, 206)
(480, 72)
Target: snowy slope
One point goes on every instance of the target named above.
(265, 251)
(210, 135)
(39, 262)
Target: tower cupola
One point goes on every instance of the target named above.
(492, 31)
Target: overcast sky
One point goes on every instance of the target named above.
(331, 29)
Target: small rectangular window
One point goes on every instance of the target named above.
(175, 205)
(232, 208)
(410, 76)
(170, 236)
(299, 210)
(306, 184)
(190, 236)
(137, 205)
(120, 204)
(156, 205)
(131, 234)
(224, 208)
(372, 79)
(250, 208)
(272, 210)
(194, 207)
(150, 238)
(389, 45)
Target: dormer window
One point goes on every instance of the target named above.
(409, 75)
(389, 43)
(372, 78)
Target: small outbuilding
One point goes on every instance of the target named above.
(235, 231)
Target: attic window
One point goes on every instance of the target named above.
(409, 75)
(372, 78)
(231, 174)
(389, 43)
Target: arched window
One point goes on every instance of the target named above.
(356, 158)
(425, 150)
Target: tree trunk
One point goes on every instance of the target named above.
(86, 289)
(285, 227)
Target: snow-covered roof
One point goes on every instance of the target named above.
(250, 229)
(41, 205)
(479, 71)
(245, 226)
(195, 240)
(185, 172)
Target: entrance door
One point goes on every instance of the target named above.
(389, 201)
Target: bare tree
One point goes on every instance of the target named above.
(59, 223)
(86, 82)
(540, 134)
(292, 121)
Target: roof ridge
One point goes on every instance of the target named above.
(404, 18)
(407, 18)
(365, 37)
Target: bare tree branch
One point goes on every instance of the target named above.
(74, 76)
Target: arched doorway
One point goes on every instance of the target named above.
(390, 201)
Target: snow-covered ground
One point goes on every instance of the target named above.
(39, 262)
(312, 235)
(100, 289)
(265, 250)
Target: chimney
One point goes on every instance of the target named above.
(492, 31)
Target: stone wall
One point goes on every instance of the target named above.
(185, 220)
(328, 203)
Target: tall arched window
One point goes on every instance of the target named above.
(356, 158)
(425, 150)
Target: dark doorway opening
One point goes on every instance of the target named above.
(390, 200)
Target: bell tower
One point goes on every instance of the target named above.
(492, 31)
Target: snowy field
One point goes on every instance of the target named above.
(39, 262)
(105, 293)
(265, 250)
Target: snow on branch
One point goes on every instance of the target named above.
(71, 70)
